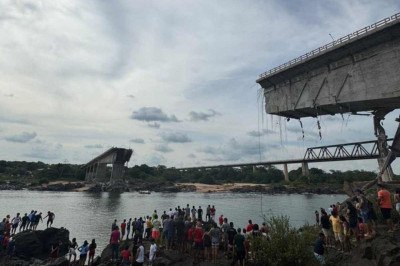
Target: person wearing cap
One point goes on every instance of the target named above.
(385, 204)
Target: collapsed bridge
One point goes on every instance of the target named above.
(356, 73)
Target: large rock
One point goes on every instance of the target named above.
(37, 244)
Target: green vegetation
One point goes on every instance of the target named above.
(39, 172)
(285, 245)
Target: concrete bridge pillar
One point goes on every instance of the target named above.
(304, 169)
(388, 174)
(286, 172)
(254, 169)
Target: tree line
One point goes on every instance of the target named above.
(39, 171)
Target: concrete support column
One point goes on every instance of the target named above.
(286, 172)
(254, 168)
(388, 174)
(304, 169)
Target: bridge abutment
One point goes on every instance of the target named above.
(286, 172)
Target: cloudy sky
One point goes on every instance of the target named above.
(173, 80)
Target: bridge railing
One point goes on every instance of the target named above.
(344, 39)
(366, 149)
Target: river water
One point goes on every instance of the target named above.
(90, 215)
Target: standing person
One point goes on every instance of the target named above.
(316, 218)
(231, 235)
(187, 212)
(194, 212)
(239, 248)
(353, 220)
(72, 249)
(249, 227)
(215, 234)
(212, 210)
(113, 225)
(337, 229)
(15, 222)
(326, 227)
(133, 226)
(38, 218)
(221, 220)
(319, 249)
(155, 234)
(397, 200)
(128, 228)
(114, 241)
(365, 211)
(208, 213)
(29, 219)
(168, 231)
(200, 214)
(126, 257)
(207, 246)
(385, 204)
(140, 254)
(152, 252)
(123, 229)
(224, 229)
(198, 241)
(50, 218)
(84, 249)
(92, 251)
(24, 222)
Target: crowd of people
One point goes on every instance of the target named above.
(353, 221)
(9, 227)
(186, 230)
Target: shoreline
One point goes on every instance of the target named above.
(164, 187)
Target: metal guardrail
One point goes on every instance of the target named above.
(344, 39)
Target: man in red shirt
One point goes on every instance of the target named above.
(126, 256)
(385, 204)
(249, 227)
(198, 234)
(114, 241)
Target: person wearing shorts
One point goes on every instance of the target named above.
(326, 226)
(385, 204)
(319, 249)
(155, 233)
(215, 234)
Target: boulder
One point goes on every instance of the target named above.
(37, 244)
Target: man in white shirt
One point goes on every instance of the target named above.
(153, 251)
(140, 254)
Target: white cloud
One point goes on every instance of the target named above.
(83, 72)
(22, 137)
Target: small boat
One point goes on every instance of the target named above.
(144, 192)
